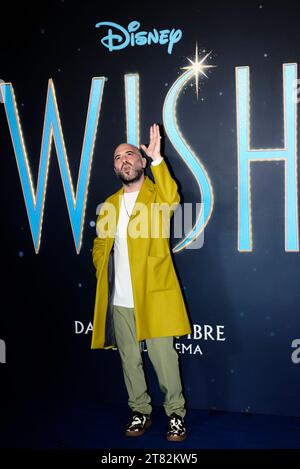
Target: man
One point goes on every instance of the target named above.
(138, 296)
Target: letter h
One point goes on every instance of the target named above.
(247, 155)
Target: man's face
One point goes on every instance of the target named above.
(128, 163)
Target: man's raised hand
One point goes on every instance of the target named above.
(153, 150)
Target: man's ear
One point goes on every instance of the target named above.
(144, 162)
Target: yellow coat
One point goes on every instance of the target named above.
(158, 303)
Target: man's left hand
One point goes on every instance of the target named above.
(153, 150)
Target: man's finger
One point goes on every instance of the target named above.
(151, 132)
(157, 132)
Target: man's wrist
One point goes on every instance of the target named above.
(157, 161)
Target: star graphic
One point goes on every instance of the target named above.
(198, 67)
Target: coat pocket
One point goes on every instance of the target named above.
(160, 275)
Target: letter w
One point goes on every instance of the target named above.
(52, 130)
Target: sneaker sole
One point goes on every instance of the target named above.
(140, 432)
(176, 437)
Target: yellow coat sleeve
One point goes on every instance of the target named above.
(166, 187)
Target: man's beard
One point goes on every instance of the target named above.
(137, 174)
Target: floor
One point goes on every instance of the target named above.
(77, 426)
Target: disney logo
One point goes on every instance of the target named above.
(118, 38)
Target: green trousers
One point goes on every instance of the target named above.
(163, 357)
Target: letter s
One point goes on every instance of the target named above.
(189, 158)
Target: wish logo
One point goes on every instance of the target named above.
(118, 38)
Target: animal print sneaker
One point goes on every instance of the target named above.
(138, 424)
(176, 428)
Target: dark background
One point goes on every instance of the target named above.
(255, 296)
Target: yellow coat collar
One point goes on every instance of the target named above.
(143, 197)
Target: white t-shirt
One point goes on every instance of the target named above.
(123, 295)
